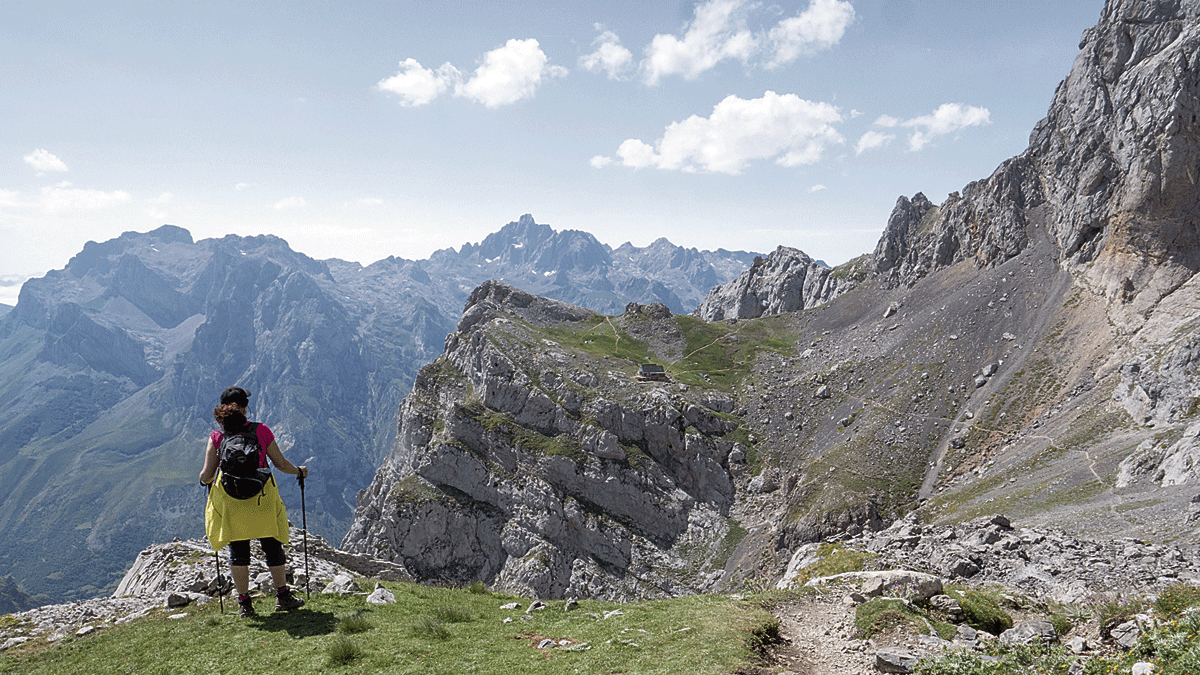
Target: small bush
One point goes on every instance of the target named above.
(1062, 624)
(1113, 609)
(477, 588)
(879, 615)
(1175, 599)
(343, 652)
(982, 611)
(764, 635)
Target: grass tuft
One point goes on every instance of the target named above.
(1177, 598)
(343, 652)
(355, 623)
(429, 627)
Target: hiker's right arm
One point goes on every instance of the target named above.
(209, 472)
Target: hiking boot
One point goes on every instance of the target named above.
(245, 606)
(285, 601)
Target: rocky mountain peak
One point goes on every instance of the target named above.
(1109, 174)
(785, 281)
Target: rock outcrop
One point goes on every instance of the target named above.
(1110, 172)
(521, 465)
(785, 281)
(1044, 563)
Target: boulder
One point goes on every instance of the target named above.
(895, 660)
(1034, 631)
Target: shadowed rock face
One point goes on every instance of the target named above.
(522, 466)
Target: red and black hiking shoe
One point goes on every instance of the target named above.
(245, 606)
(285, 601)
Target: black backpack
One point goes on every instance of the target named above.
(243, 471)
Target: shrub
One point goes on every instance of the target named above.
(1175, 599)
(1062, 624)
(478, 588)
(981, 611)
(1113, 609)
(883, 614)
(764, 635)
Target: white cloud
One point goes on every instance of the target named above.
(416, 85)
(947, 119)
(819, 27)
(790, 129)
(719, 32)
(610, 57)
(506, 75)
(887, 121)
(872, 140)
(43, 161)
(152, 209)
(509, 74)
(370, 201)
(816, 188)
(715, 34)
(290, 203)
(64, 197)
(10, 198)
(600, 161)
(242, 186)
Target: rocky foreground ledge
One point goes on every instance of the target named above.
(1047, 565)
(1041, 563)
(181, 572)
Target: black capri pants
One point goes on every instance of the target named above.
(239, 552)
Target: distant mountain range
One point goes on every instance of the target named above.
(109, 370)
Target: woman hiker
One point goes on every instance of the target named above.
(263, 517)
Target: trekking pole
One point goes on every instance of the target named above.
(304, 522)
(220, 586)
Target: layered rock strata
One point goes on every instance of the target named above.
(521, 465)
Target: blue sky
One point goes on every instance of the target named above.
(363, 130)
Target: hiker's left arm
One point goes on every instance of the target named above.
(282, 463)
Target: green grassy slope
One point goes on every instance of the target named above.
(427, 630)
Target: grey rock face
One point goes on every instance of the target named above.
(1029, 632)
(895, 660)
(1109, 172)
(785, 281)
(1176, 464)
(497, 477)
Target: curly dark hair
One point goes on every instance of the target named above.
(230, 417)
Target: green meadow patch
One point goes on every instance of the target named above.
(427, 630)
